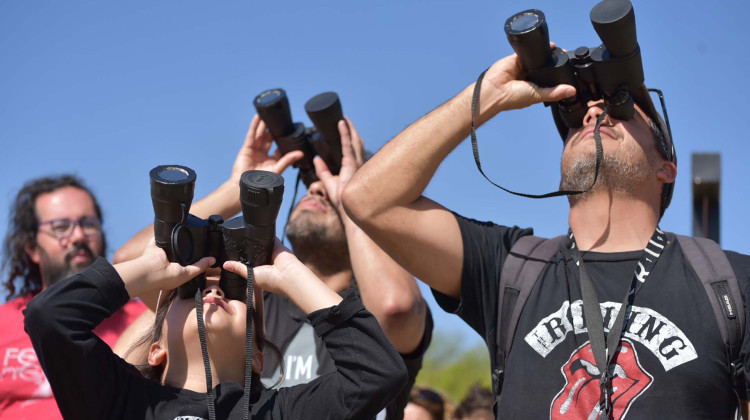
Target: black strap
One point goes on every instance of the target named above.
(204, 351)
(604, 352)
(291, 206)
(475, 149)
(522, 267)
(248, 339)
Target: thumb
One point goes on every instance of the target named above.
(287, 160)
(198, 267)
(556, 93)
(236, 267)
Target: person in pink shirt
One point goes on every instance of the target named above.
(55, 231)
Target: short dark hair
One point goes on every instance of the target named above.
(22, 227)
(478, 398)
(428, 399)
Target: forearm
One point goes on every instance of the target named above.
(398, 174)
(60, 323)
(306, 290)
(387, 290)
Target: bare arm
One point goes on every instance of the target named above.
(387, 290)
(384, 197)
(225, 200)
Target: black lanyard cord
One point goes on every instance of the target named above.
(204, 351)
(475, 150)
(603, 353)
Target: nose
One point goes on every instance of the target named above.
(213, 289)
(77, 235)
(317, 188)
(595, 110)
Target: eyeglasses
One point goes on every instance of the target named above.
(63, 228)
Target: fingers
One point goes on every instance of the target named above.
(321, 169)
(257, 136)
(351, 143)
(263, 137)
(287, 160)
(236, 267)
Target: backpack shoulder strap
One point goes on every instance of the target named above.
(711, 265)
(525, 263)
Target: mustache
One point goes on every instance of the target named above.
(79, 246)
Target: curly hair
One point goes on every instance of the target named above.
(22, 226)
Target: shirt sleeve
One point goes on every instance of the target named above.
(486, 246)
(413, 361)
(86, 377)
(369, 372)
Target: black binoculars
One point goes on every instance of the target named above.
(186, 238)
(323, 139)
(612, 71)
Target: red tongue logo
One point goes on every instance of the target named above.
(579, 399)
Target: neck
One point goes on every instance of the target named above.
(605, 221)
(190, 374)
(338, 281)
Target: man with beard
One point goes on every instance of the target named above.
(55, 231)
(325, 239)
(331, 246)
(670, 349)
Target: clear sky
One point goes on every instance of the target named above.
(108, 90)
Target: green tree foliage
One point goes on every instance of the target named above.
(452, 368)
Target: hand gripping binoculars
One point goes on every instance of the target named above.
(612, 71)
(323, 139)
(186, 238)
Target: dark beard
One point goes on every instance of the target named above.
(313, 244)
(614, 175)
(54, 272)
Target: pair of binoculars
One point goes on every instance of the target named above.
(323, 139)
(187, 238)
(612, 71)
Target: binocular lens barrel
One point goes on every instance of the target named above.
(261, 193)
(614, 22)
(528, 35)
(171, 187)
(273, 108)
(325, 113)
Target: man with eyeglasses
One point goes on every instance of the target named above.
(54, 231)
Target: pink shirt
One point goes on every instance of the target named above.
(24, 390)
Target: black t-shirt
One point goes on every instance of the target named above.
(671, 363)
(283, 323)
(90, 382)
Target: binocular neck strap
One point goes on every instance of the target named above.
(291, 206)
(248, 346)
(204, 350)
(248, 339)
(475, 149)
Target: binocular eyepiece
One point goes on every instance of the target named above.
(612, 71)
(186, 238)
(322, 139)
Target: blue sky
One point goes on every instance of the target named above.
(109, 90)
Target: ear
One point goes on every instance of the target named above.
(157, 354)
(257, 361)
(667, 172)
(32, 250)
